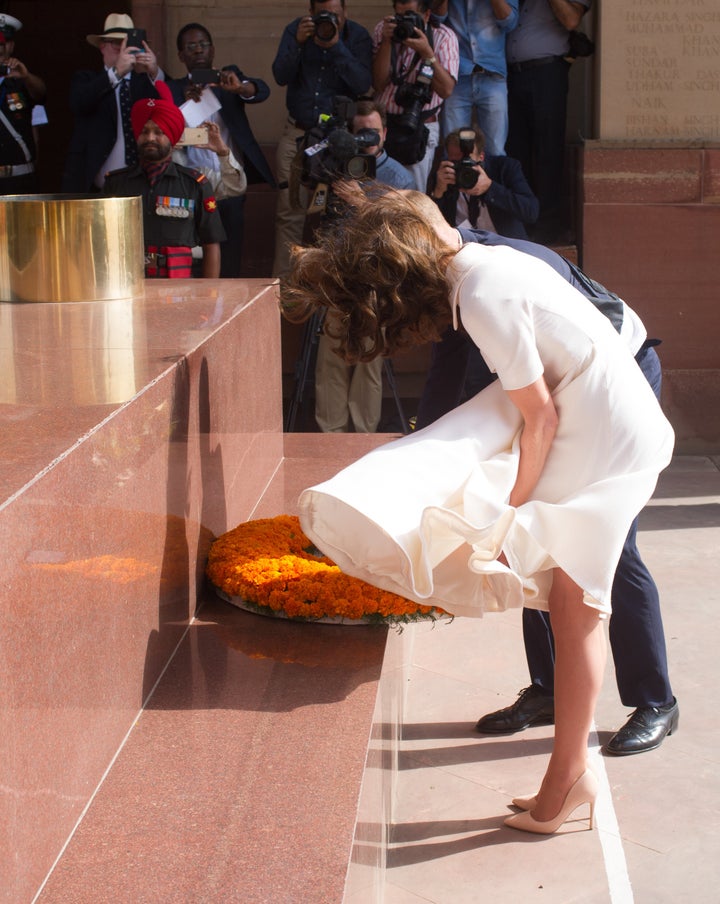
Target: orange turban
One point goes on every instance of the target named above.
(162, 111)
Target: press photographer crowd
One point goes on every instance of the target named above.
(496, 69)
(464, 101)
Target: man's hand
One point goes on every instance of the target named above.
(215, 142)
(34, 84)
(193, 91)
(305, 29)
(445, 176)
(16, 68)
(389, 26)
(126, 60)
(230, 82)
(420, 44)
(483, 183)
(145, 61)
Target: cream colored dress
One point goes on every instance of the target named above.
(427, 515)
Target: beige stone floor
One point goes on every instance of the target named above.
(657, 835)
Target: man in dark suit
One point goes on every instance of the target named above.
(233, 91)
(101, 100)
(482, 192)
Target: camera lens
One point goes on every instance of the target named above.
(357, 167)
(325, 26)
(466, 175)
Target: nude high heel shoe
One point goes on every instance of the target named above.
(525, 803)
(584, 791)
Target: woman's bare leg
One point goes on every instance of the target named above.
(579, 664)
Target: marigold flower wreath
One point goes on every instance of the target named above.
(269, 566)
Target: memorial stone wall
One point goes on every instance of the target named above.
(660, 70)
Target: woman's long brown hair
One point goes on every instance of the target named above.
(381, 270)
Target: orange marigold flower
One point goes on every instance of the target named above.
(272, 565)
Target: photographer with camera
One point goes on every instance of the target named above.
(478, 191)
(233, 91)
(415, 67)
(344, 394)
(20, 91)
(320, 56)
(102, 138)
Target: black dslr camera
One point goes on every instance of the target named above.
(326, 25)
(336, 153)
(466, 172)
(413, 96)
(405, 25)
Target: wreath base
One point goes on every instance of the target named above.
(390, 621)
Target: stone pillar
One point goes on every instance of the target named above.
(651, 192)
(660, 70)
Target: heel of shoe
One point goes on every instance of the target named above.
(584, 791)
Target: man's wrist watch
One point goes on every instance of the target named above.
(431, 60)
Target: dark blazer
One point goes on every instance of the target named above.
(92, 101)
(510, 200)
(232, 110)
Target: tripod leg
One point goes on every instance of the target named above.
(303, 367)
(392, 383)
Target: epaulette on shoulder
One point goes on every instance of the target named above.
(196, 174)
(119, 172)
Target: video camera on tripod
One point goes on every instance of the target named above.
(336, 153)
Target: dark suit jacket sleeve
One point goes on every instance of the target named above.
(88, 90)
(262, 91)
(510, 191)
(352, 61)
(287, 59)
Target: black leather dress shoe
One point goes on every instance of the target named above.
(646, 729)
(533, 707)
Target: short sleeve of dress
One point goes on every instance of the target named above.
(499, 320)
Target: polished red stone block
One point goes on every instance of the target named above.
(131, 433)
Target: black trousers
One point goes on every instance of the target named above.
(232, 215)
(537, 114)
(637, 638)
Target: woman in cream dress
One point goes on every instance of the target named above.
(524, 495)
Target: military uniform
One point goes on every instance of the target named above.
(17, 146)
(179, 212)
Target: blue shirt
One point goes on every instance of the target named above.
(315, 75)
(390, 172)
(481, 37)
(539, 33)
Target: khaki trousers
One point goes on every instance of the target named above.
(345, 393)
(289, 221)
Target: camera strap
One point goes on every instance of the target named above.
(16, 136)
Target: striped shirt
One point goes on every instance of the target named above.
(445, 48)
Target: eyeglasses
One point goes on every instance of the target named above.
(198, 45)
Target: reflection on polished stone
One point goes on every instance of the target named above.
(97, 353)
(66, 248)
